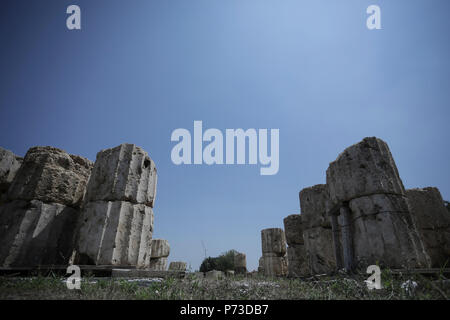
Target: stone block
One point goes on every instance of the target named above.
(433, 223)
(178, 266)
(158, 264)
(364, 168)
(275, 266)
(313, 204)
(319, 250)
(9, 165)
(293, 229)
(273, 241)
(240, 263)
(115, 233)
(214, 275)
(51, 175)
(298, 265)
(34, 233)
(384, 232)
(123, 173)
(160, 248)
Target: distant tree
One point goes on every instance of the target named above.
(223, 262)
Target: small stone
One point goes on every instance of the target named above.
(177, 266)
(214, 275)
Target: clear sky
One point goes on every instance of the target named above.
(139, 69)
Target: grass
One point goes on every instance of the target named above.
(231, 288)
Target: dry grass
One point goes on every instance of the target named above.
(233, 288)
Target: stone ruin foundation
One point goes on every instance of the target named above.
(274, 258)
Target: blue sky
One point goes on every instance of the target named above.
(140, 69)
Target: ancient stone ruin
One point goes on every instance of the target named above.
(274, 258)
(160, 252)
(240, 263)
(58, 208)
(177, 266)
(363, 215)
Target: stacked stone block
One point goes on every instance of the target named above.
(433, 222)
(297, 258)
(275, 261)
(159, 254)
(365, 179)
(38, 217)
(117, 219)
(317, 232)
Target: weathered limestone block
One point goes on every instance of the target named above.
(214, 275)
(124, 173)
(433, 223)
(158, 264)
(240, 263)
(51, 175)
(9, 165)
(317, 233)
(273, 241)
(298, 265)
(261, 265)
(275, 266)
(293, 229)
(319, 250)
(160, 248)
(177, 266)
(313, 204)
(115, 233)
(34, 233)
(363, 169)
(384, 232)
